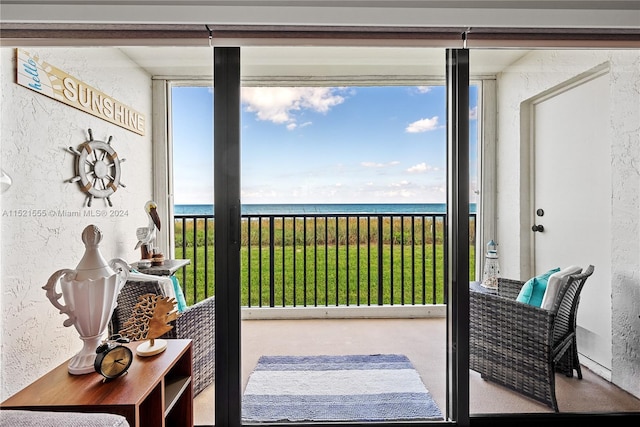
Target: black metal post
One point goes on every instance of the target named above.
(380, 262)
(272, 263)
(458, 232)
(226, 122)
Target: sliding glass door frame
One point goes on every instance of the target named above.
(228, 394)
(457, 231)
(226, 136)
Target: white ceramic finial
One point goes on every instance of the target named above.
(92, 266)
(91, 235)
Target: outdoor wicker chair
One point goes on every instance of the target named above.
(521, 346)
(196, 322)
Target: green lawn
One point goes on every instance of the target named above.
(321, 270)
(321, 284)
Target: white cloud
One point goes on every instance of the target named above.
(423, 125)
(279, 104)
(379, 165)
(424, 89)
(473, 113)
(420, 168)
(400, 190)
(259, 194)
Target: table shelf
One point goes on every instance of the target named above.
(156, 391)
(174, 389)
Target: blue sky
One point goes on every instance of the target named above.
(322, 145)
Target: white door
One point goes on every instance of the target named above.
(572, 199)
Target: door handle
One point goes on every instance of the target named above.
(539, 228)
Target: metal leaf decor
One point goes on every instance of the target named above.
(150, 318)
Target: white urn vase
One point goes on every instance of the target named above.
(90, 295)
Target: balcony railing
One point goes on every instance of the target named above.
(325, 259)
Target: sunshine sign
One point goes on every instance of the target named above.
(50, 81)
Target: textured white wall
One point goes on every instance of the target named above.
(531, 75)
(35, 130)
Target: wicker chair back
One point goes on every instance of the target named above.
(566, 304)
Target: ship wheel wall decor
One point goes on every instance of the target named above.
(97, 169)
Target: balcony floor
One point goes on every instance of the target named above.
(423, 341)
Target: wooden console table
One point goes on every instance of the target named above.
(156, 391)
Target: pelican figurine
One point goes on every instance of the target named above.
(147, 235)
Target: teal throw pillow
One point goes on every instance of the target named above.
(182, 304)
(533, 290)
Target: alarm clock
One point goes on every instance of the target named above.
(112, 358)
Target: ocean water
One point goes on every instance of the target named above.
(324, 208)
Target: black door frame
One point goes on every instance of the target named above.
(228, 395)
(457, 75)
(226, 166)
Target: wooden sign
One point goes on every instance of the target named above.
(48, 80)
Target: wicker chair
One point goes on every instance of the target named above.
(521, 346)
(195, 323)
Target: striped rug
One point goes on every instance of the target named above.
(379, 387)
